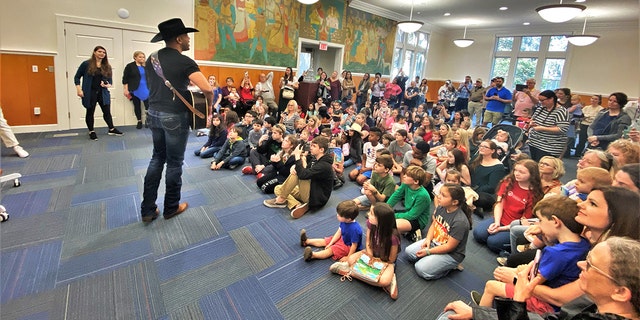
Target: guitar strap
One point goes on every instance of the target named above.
(158, 69)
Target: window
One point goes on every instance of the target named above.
(539, 57)
(410, 54)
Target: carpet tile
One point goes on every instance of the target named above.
(29, 270)
(75, 246)
(244, 299)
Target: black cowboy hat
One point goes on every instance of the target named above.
(171, 28)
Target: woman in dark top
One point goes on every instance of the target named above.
(134, 84)
(335, 86)
(610, 123)
(486, 173)
(363, 91)
(564, 97)
(96, 79)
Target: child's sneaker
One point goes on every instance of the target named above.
(93, 136)
(303, 238)
(341, 268)
(392, 289)
(476, 297)
(247, 170)
(308, 254)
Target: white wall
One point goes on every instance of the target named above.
(610, 64)
(30, 26)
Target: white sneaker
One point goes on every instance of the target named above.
(20, 152)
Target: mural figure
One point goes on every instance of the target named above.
(316, 18)
(226, 22)
(259, 36)
(205, 40)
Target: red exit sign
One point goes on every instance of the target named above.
(324, 46)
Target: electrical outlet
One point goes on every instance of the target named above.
(34, 68)
(36, 111)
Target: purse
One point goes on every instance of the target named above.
(287, 93)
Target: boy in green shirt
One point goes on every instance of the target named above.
(381, 185)
(417, 203)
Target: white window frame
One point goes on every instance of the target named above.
(542, 55)
(402, 44)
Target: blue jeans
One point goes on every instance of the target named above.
(430, 267)
(210, 152)
(234, 162)
(497, 242)
(516, 235)
(170, 132)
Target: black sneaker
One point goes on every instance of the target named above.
(139, 125)
(115, 132)
(476, 297)
(93, 135)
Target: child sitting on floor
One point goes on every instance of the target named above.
(233, 153)
(345, 241)
(443, 248)
(557, 264)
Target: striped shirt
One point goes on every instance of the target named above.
(551, 142)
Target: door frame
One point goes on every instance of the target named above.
(340, 52)
(63, 100)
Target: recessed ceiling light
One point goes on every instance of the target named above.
(503, 8)
(447, 14)
(526, 23)
(581, 0)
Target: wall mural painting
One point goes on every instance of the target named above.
(263, 32)
(369, 42)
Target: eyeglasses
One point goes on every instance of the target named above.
(590, 265)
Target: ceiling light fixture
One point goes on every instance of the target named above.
(583, 39)
(409, 26)
(558, 13)
(446, 14)
(307, 1)
(464, 42)
(503, 8)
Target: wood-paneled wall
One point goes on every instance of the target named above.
(22, 89)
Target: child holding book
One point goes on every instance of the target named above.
(346, 241)
(382, 244)
(443, 248)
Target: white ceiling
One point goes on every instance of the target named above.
(485, 13)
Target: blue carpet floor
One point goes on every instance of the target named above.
(75, 248)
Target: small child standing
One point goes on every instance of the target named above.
(346, 241)
(558, 260)
(256, 133)
(363, 172)
(444, 246)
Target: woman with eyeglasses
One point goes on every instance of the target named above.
(607, 212)
(486, 172)
(548, 127)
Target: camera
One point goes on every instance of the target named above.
(520, 87)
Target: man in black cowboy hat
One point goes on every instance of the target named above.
(168, 117)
